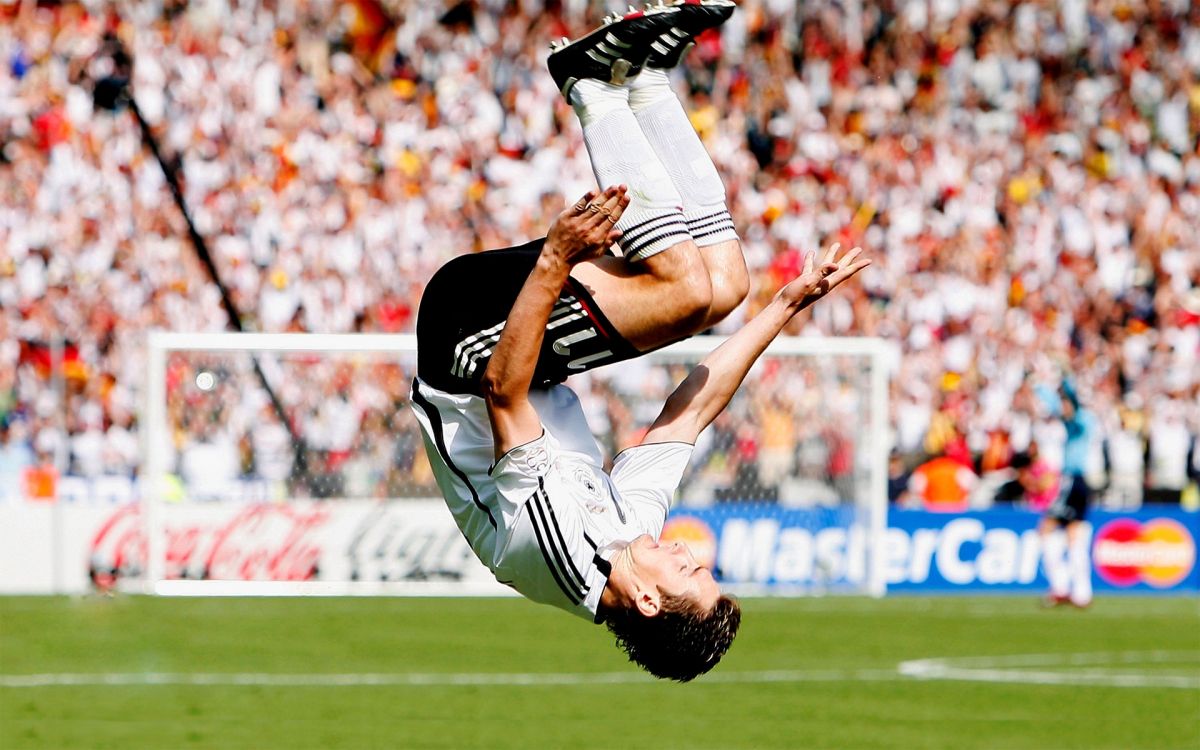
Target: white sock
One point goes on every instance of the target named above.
(674, 140)
(1079, 560)
(1054, 547)
(620, 154)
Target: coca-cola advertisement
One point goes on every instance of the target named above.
(259, 542)
(400, 546)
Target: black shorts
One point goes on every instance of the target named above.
(464, 308)
(1072, 502)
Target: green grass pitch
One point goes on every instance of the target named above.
(488, 673)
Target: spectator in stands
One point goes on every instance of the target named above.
(898, 478)
(16, 457)
(943, 484)
(1037, 483)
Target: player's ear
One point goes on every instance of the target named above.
(648, 601)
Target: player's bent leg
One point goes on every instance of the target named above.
(662, 299)
(667, 128)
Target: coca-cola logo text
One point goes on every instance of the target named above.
(260, 542)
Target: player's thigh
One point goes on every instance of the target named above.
(653, 302)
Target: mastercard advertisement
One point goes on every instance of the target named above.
(1144, 552)
(1160, 552)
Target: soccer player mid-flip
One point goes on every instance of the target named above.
(498, 332)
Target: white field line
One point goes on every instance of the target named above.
(973, 669)
(1077, 659)
(990, 669)
(931, 670)
(265, 679)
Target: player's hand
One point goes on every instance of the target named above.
(817, 281)
(586, 229)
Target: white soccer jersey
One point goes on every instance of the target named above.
(546, 517)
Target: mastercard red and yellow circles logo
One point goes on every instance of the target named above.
(1159, 553)
(696, 534)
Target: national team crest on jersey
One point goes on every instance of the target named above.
(593, 499)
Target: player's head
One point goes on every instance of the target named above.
(669, 615)
(1022, 463)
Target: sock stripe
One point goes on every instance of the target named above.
(645, 225)
(705, 223)
(634, 249)
(714, 228)
(641, 244)
(722, 211)
(673, 223)
(718, 230)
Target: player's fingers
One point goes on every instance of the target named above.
(605, 195)
(849, 257)
(849, 271)
(594, 216)
(613, 216)
(616, 199)
(831, 254)
(808, 262)
(604, 208)
(828, 269)
(622, 204)
(581, 205)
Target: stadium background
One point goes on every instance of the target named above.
(1027, 176)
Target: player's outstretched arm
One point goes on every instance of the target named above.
(583, 231)
(707, 390)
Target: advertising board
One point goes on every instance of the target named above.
(414, 546)
(1148, 551)
(45, 548)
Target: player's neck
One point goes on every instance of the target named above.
(617, 589)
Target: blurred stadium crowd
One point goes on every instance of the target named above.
(1026, 174)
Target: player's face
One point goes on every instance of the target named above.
(673, 569)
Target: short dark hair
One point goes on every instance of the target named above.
(682, 641)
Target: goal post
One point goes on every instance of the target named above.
(226, 510)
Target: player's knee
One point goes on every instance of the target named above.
(687, 290)
(729, 290)
(696, 299)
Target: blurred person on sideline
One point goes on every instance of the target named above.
(1065, 533)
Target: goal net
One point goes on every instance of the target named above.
(292, 464)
